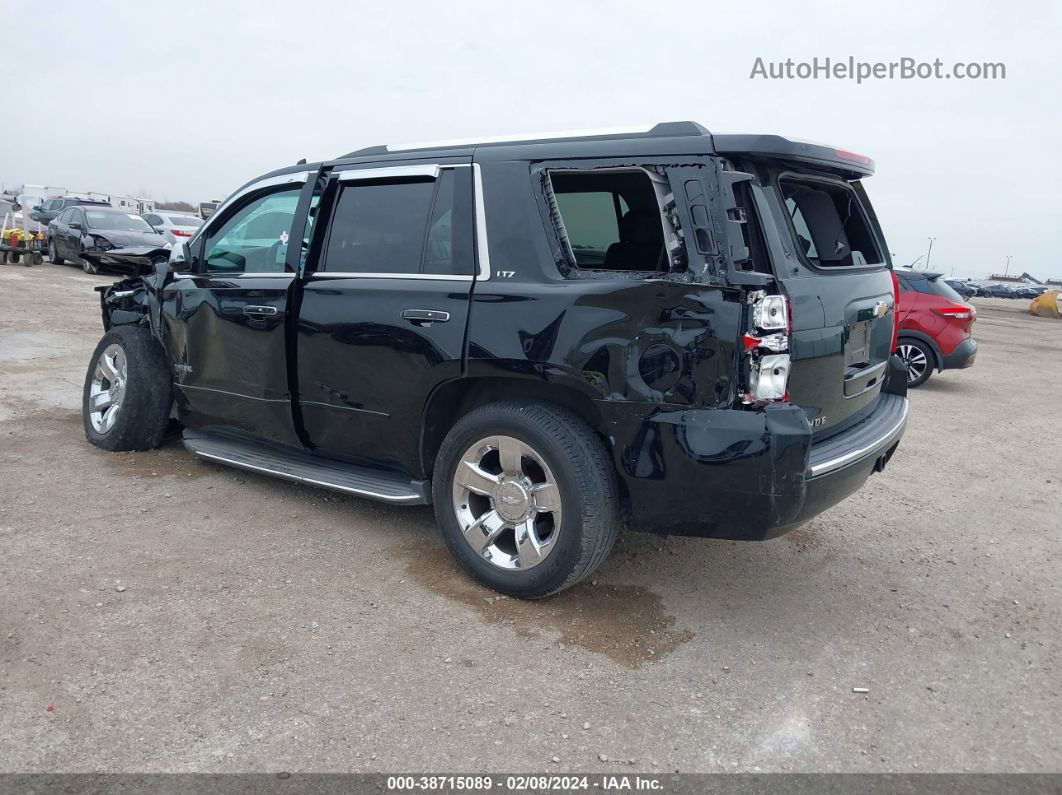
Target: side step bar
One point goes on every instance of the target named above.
(302, 467)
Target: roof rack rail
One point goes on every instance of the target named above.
(662, 129)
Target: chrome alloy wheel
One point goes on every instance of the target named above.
(507, 503)
(107, 390)
(914, 360)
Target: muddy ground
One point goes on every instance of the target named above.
(158, 613)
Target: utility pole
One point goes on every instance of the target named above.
(1006, 270)
(928, 253)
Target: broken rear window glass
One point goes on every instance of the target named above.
(828, 224)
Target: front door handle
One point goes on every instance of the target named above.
(261, 311)
(425, 315)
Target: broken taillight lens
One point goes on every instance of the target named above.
(767, 345)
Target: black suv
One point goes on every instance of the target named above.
(687, 332)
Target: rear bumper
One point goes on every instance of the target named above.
(963, 355)
(744, 475)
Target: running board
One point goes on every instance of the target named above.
(301, 467)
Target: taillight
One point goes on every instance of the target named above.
(181, 233)
(955, 311)
(768, 348)
(895, 310)
(845, 155)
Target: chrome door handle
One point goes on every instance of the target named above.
(261, 311)
(425, 315)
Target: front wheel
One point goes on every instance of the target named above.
(89, 267)
(526, 499)
(127, 396)
(918, 359)
(53, 254)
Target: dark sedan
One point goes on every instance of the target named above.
(80, 229)
(962, 288)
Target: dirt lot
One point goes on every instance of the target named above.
(162, 614)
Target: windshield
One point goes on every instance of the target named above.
(114, 219)
(184, 220)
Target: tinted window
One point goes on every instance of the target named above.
(939, 287)
(254, 239)
(154, 220)
(380, 228)
(119, 221)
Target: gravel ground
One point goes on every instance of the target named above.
(162, 614)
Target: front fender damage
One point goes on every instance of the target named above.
(135, 299)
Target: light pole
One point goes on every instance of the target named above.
(928, 253)
(1006, 270)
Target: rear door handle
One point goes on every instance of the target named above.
(261, 311)
(425, 315)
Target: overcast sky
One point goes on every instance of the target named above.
(187, 100)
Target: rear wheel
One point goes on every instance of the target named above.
(53, 254)
(918, 358)
(525, 497)
(127, 396)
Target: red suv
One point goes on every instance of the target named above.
(935, 326)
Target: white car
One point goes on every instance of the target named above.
(174, 226)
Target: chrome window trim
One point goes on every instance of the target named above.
(445, 277)
(295, 177)
(393, 172)
(425, 170)
(482, 254)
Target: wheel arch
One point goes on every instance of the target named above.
(452, 400)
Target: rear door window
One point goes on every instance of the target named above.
(417, 226)
(828, 223)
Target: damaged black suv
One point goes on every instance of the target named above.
(545, 338)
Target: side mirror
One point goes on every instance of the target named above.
(75, 225)
(179, 255)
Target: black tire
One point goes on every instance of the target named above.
(144, 408)
(585, 480)
(53, 254)
(918, 359)
(13, 257)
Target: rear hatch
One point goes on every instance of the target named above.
(839, 283)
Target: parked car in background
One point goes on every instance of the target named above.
(175, 227)
(47, 211)
(935, 326)
(80, 228)
(962, 288)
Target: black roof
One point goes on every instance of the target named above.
(663, 139)
(670, 137)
